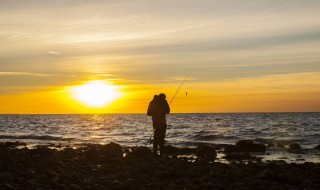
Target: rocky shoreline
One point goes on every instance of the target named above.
(111, 166)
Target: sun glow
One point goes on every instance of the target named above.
(95, 93)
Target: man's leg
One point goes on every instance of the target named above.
(155, 142)
(162, 134)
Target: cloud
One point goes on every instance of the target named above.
(54, 53)
(150, 41)
(23, 73)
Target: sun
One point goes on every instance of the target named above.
(95, 93)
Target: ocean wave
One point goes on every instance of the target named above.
(35, 137)
(212, 137)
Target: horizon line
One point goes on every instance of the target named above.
(138, 113)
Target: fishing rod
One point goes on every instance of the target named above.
(178, 90)
(150, 139)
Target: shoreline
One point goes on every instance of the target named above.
(111, 166)
(271, 152)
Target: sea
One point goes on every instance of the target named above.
(184, 130)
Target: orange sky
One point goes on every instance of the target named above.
(281, 93)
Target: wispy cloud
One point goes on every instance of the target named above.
(54, 53)
(23, 73)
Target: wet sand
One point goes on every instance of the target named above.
(111, 166)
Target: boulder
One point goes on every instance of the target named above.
(317, 147)
(243, 145)
(140, 153)
(185, 151)
(294, 148)
(249, 146)
(257, 148)
(113, 150)
(205, 152)
(230, 149)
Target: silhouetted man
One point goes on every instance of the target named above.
(158, 108)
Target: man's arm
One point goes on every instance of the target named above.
(150, 110)
(167, 108)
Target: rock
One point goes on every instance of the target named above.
(14, 144)
(317, 147)
(113, 150)
(186, 151)
(131, 184)
(268, 174)
(271, 145)
(34, 184)
(257, 148)
(289, 178)
(243, 145)
(205, 152)
(230, 149)
(6, 186)
(74, 187)
(69, 150)
(55, 180)
(171, 149)
(140, 152)
(295, 148)
(238, 156)
(6, 177)
(52, 174)
(42, 151)
(29, 173)
(249, 146)
(279, 145)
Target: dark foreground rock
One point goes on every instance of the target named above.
(140, 153)
(91, 167)
(228, 149)
(249, 146)
(169, 149)
(113, 150)
(238, 156)
(206, 152)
